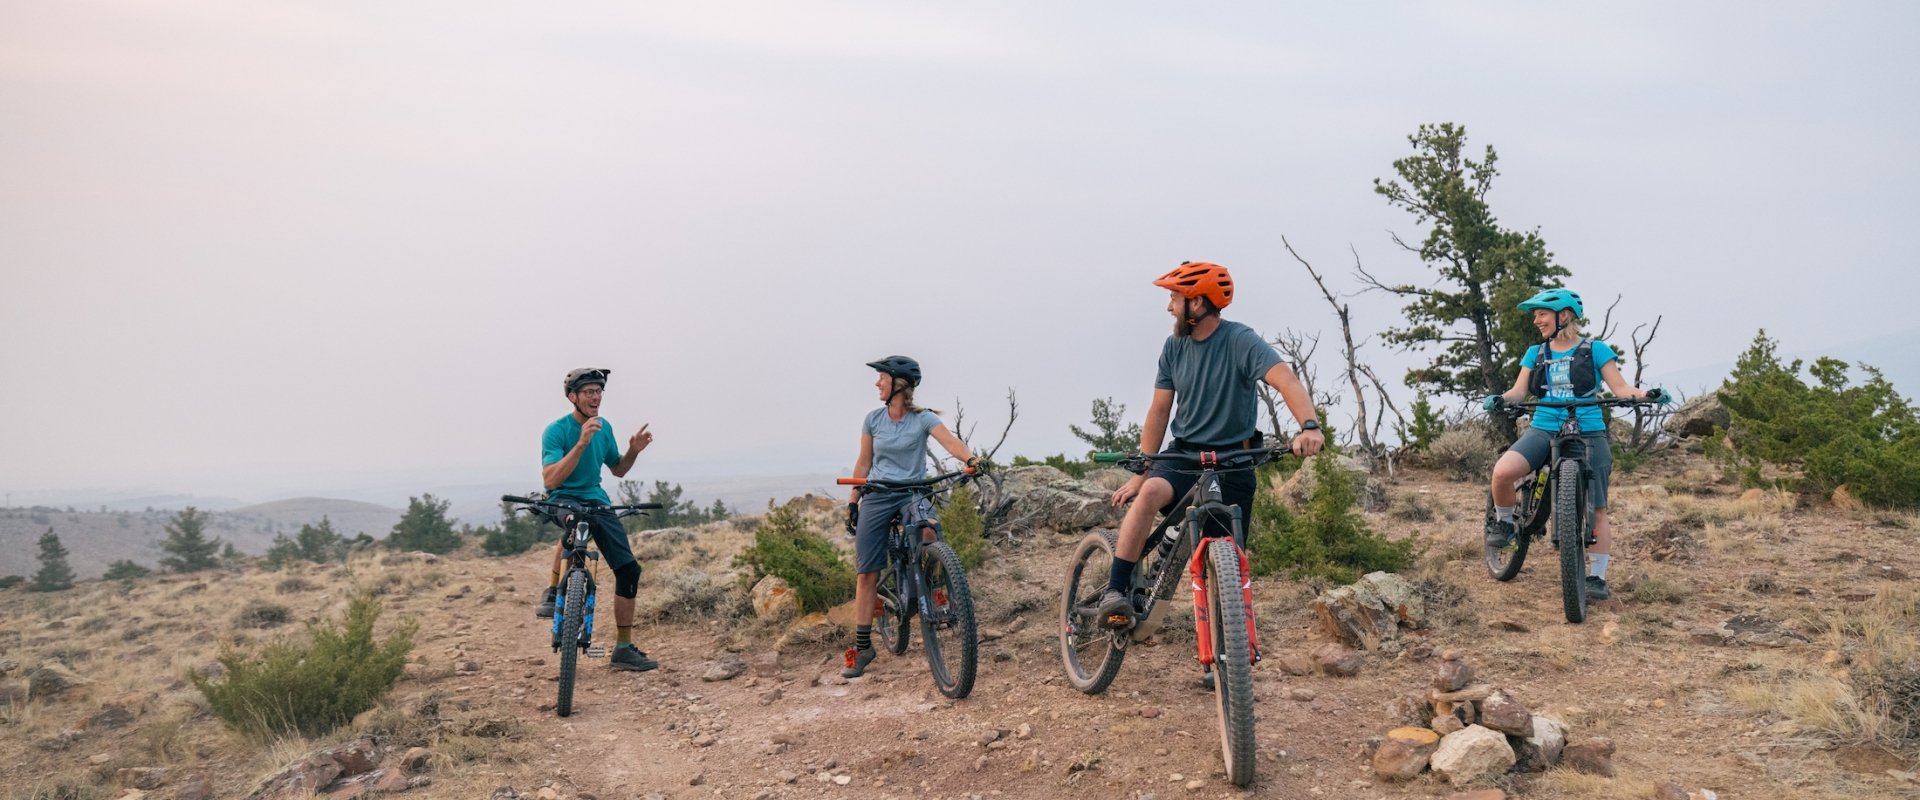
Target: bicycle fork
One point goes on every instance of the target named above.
(1202, 611)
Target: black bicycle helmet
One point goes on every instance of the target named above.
(579, 378)
(899, 367)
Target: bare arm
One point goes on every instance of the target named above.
(556, 473)
(955, 447)
(641, 438)
(1519, 390)
(1282, 379)
(1153, 435)
(1617, 383)
(861, 464)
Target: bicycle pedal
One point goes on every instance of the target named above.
(596, 651)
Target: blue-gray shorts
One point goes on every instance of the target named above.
(877, 512)
(1536, 446)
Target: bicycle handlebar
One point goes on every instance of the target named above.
(622, 511)
(880, 484)
(1206, 459)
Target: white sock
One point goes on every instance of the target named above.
(1597, 565)
(1503, 513)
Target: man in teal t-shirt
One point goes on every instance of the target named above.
(572, 451)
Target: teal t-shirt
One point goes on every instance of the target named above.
(1560, 386)
(899, 448)
(584, 482)
(1214, 383)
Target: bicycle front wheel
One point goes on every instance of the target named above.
(1232, 659)
(1570, 536)
(1090, 651)
(572, 617)
(947, 629)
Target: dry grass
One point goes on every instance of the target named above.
(1876, 700)
(1563, 782)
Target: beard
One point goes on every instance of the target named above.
(1182, 328)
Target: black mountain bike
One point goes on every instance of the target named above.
(1556, 492)
(923, 577)
(1215, 565)
(573, 607)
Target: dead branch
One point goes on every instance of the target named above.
(1344, 314)
(1606, 322)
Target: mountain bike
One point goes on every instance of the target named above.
(924, 577)
(1182, 544)
(573, 607)
(1556, 492)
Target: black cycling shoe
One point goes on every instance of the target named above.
(544, 609)
(1114, 611)
(857, 661)
(1597, 588)
(630, 658)
(1499, 533)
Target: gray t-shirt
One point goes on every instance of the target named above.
(1213, 383)
(899, 448)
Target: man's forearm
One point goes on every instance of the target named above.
(1153, 436)
(557, 472)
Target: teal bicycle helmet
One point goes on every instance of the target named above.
(1556, 300)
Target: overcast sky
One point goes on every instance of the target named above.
(251, 248)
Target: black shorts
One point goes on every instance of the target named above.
(610, 536)
(1236, 489)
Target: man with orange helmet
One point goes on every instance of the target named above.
(1213, 367)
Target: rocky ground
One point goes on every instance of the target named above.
(1735, 616)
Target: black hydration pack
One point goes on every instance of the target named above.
(1585, 379)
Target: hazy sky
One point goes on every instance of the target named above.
(255, 247)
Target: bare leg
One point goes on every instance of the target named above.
(865, 587)
(1602, 534)
(1154, 495)
(1506, 472)
(623, 611)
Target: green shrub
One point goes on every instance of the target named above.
(517, 533)
(262, 614)
(783, 546)
(1625, 458)
(965, 531)
(1822, 435)
(425, 527)
(309, 687)
(10, 581)
(125, 570)
(1076, 467)
(1327, 539)
(1426, 426)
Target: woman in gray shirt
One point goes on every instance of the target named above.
(893, 447)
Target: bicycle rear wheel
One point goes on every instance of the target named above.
(1570, 536)
(1232, 660)
(947, 629)
(890, 618)
(1090, 651)
(1503, 563)
(572, 616)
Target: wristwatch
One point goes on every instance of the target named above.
(1310, 425)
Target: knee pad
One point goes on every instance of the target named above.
(626, 580)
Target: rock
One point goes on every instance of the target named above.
(194, 788)
(110, 717)
(727, 668)
(1408, 709)
(415, 759)
(8, 665)
(547, 793)
(1338, 661)
(302, 778)
(145, 778)
(1404, 753)
(1698, 417)
(1470, 754)
(51, 680)
(1748, 629)
(1108, 479)
(1541, 750)
(1592, 756)
(1479, 794)
(1369, 493)
(1504, 714)
(388, 779)
(1452, 675)
(1058, 502)
(505, 793)
(1150, 712)
(1370, 611)
(1301, 694)
(774, 600)
(1447, 724)
(1296, 664)
(1669, 791)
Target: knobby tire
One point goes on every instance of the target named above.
(947, 633)
(1570, 536)
(571, 619)
(1232, 662)
(1089, 651)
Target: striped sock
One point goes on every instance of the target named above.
(863, 637)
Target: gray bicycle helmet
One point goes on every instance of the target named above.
(579, 378)
(899, 367)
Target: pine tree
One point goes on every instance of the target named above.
(1109, 434)
(320, 543)
(54, 574)
(425, 527)
(187, 547)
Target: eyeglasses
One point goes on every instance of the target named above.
(591, 391)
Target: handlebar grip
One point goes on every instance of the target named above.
(514, 499)
(645, 506)
(1109, 458)
(971, 471)
(851, 481)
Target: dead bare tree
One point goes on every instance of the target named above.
(1606, 321)
(1646, 424)
(996, 505)
(1344, 314)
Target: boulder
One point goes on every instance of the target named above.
(1404, 753)
(1338, 661)
(1109, 479)
(301, 779)
(774, 600)
(1370, 611)
(1699, 416)
(1452, 675)
(1471, 754)
(53, 679)
(1592, 756)
(1369, 493)
(1541, 750)
(1504, 714)
(727, 668)
(1053, 500)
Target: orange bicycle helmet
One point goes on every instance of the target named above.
(1200, 279)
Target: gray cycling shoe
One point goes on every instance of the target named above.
(1499, 533)
(544, 609)
(857, 661)
(1597, 588)
(629, 658)
(1114, 611)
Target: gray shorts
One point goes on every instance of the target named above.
(877, 513)
(1536, 446)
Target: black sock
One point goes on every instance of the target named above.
(863, 637)
(1121, 578)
